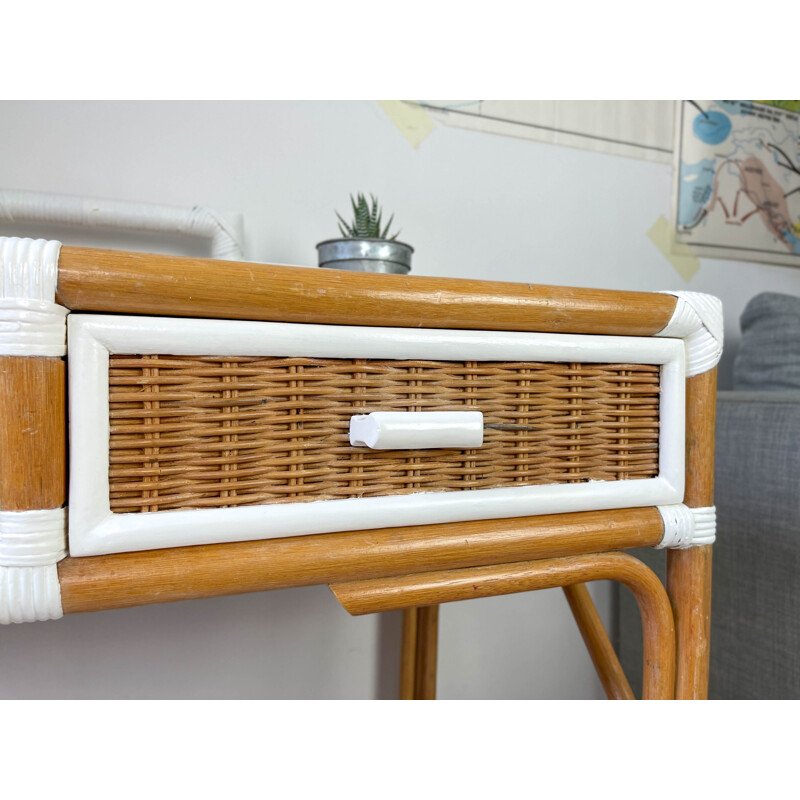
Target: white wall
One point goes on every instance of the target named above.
(473, 205)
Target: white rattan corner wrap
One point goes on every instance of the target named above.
(686, 527)
(31, 544)
(31, 324)
(697, 320)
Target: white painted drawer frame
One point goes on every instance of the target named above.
(95, 530)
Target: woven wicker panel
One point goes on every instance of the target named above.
(203, 432)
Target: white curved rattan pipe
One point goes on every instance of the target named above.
(25, 206)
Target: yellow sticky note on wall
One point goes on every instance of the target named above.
(412, 121)
(681, 256)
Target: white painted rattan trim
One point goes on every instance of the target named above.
(31, 323)
(31, 544)
(697, 320)
(94, 530)
(33, 538)
(686, 527)
(26, 206)
(29, 594)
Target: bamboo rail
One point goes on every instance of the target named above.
(601, 651)
(160, 576)
(141, 283)
(386, 594)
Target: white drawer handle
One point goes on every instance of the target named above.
(417, 430)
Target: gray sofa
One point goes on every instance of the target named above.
(755, 607)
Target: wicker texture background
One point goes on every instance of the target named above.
(211, 432)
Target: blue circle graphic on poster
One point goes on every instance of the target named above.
(713, 127)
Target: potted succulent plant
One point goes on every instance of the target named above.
(365, 246)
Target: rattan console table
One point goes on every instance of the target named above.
(522, 437)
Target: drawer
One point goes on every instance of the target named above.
(189, 431)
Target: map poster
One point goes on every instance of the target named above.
(736, 187)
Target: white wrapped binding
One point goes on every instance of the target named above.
(705, 525)
(417, 430)
(33, 538)
(697, 320)
(25, 206)
(31, 324)
(686, 527)
(29, 594)
(31, 544)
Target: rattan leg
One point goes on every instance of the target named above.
(33, 450)
(408, 654)
(427, 646)
(689, 571)
(418, 653)
(689, 586)
(602, 652)
(33, 480)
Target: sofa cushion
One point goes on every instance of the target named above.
(755, 594)
(769, 354)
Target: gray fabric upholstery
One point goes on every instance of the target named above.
(769, 355)
(755, 597)
(755, 628)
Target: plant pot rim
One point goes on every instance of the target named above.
(364, 239)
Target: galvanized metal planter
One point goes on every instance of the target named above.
(365, 255)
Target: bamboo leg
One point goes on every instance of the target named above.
(602, 653)
(408, 654)
(33, 450)
(427, 641)
(689, 571)
(689, 586)
(418, 655)
(33, 473)
(386, 594)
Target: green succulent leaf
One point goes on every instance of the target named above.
(362, 217)
(373, 216)
(367, 220)
(347, 230)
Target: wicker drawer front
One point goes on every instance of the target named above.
(211, 432)
(199, 431)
